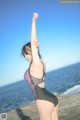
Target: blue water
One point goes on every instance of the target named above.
(62, 82)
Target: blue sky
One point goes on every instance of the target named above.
(58, 31)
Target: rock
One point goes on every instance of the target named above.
(69, 109)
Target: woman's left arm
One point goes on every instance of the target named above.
(36, 68)
(34, 42)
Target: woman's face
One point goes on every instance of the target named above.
(28, 57)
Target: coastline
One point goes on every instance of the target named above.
(69, 109)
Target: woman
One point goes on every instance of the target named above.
(47, 103)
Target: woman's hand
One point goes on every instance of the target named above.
(35, 16)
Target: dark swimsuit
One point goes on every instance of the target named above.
(39, 93)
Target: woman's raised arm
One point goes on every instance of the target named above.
(34, 48)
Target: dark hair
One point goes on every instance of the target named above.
(26, 49)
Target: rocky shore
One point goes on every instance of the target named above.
(69, 109)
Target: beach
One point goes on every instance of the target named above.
(69, 109)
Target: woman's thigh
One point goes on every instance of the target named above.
(55, 113)
(44, 107)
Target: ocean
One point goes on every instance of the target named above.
(61, 82)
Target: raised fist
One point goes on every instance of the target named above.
(35, 16)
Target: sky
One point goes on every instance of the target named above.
(58, 31)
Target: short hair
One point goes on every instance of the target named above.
(26, 49)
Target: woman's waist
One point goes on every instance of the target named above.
(41, 85)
